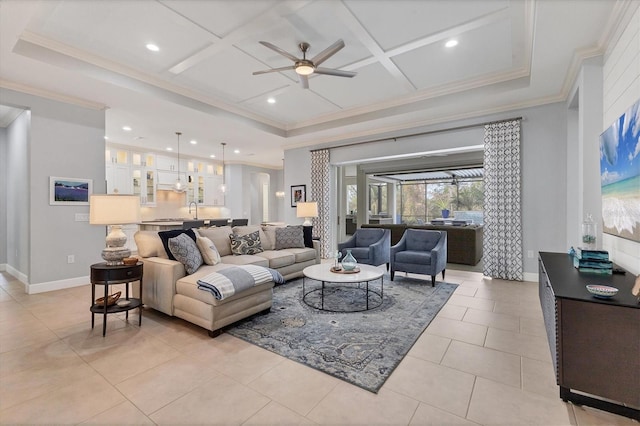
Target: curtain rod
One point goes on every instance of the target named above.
(430, 132)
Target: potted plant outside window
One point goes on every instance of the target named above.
(443, 205)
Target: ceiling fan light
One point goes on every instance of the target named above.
(304, 69)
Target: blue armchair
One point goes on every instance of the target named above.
(420, 251)
(370, 246)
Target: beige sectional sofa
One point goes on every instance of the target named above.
(169, 289)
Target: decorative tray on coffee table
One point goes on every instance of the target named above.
(342, 271)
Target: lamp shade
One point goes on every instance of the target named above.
(114, 209)
(308, 209)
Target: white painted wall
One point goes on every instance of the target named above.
(544, 159)
(621, 89)
(61, 140)
(243, 194)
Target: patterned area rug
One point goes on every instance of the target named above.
(362, 348)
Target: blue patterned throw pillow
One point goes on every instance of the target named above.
(246, 244)
(185, 250)
(289, 237)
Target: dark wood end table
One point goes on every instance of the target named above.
(103, 274)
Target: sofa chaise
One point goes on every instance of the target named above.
(169, 289)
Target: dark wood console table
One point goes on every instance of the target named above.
(595, 343)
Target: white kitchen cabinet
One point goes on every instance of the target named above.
(118, 179)
(166, 178)
(144, 185)
(167, 163)
(116, 156)
(143, 160)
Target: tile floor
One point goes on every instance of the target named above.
(483, 360)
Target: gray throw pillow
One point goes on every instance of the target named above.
(185, 250)
(289, 237)
(246, 244)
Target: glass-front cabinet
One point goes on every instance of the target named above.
(144, 185)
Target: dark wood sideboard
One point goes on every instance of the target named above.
(595, 343)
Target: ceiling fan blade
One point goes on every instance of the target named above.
(291, 67)
(304, 81)
(327, 53)
(280, 51)
(339, 73)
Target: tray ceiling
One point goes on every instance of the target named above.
(510, 53)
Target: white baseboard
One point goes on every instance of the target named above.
(3, 267)
(23, 278)
(58, 285)
(530, 276)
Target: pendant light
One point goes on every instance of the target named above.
(223, 187)
(178, 186)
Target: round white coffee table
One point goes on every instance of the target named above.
(323, 274)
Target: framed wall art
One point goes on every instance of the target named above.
(620, 175)
(69, 191)
(298, 194)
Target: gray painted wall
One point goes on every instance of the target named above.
(543, 153)
(65, 141)
(3, 198)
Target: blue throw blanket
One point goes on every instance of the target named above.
(229, 281)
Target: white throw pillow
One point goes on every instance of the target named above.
(208, 250)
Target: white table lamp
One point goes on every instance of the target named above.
(114, 210)
(307, 210)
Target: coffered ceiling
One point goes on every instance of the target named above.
(510, 54)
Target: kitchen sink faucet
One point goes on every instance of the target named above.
(195, 204)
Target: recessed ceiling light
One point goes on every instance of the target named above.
(169, 148)
(451, 43)
(271, 100)
(212, 156)
(236, 151)
(194, 142)
(106, 138)
(152, 47)
(126, 128)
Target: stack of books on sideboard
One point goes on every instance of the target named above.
(592, 261)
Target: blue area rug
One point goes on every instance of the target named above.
(362, 348)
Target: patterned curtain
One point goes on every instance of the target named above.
(320, 187)
(502, 210)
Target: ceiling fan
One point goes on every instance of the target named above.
(305, 67)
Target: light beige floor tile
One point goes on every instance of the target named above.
(295, 386)
(452, 312)
(458, 330)
(160, 385)
(178, 333)
(587, 416)
(494, 403)
(21, 339)
(427, 415)
(533, 326)
(275, 414)
(535, 347)
(70, 403)
(520, 309)
(29, 383)
(495, 365)
(123, 361)
(240, 360)
(47, 355)
(221, 401)
(430, 347)
(124, 413)
(539, 377)
(472, 302)
(469, 291)
(492, 319)
(5, 297)
(385, 408)
(424, 381)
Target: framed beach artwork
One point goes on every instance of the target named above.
(69, 191)
(298, 194)
(620, 175)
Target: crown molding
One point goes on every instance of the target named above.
(47, 94)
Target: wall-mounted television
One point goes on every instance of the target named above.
(620, 175)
